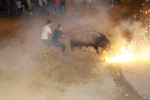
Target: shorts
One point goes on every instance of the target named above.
(47, 42)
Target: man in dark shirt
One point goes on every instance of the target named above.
(57, 34)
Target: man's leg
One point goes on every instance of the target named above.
(48, 49)
(48, 46)
(59, 44)
(18, 11)
(63, 9)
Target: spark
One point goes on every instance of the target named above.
(138, 50)
(146, 12)
(129, 54)
(123, 56)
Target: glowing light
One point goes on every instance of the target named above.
(136, 50)
(146, 12)
(130, 54)
(123, 56)
(120, 58)
(122, 49)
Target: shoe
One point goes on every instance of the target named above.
(46, 55)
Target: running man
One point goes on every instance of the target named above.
(45, 36)
(57, 34)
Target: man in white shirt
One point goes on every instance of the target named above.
(18, 3)
(45, 34)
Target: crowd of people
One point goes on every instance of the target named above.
(19, 7)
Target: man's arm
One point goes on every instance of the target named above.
(50, 32)
(63, 36)
(50, 35)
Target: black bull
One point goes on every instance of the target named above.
(93, 38)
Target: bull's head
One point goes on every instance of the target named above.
(107, 45)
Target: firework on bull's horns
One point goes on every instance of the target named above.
(138, 49)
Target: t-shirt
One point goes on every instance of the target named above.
(46, 31)
(56, 35)
(57, 2)
(18, 3)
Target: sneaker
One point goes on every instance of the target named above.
(46, 55)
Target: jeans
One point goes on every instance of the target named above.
(59, 44)
(34, 8)
(63, 9)
(56, 9)
(19, 11)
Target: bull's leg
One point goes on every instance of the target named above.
(80, 47)
(96, 48)
(103, 52)
(72, 48)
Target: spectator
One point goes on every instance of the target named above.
(1, 6)
(51, 6)
(25, 4)
(119, 1)
(43, 5)
(35, 6)
(63, 6)
(5, 6)
(57, 6)
(113, 2)
(13, 7)
(18, 3)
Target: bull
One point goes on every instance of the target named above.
(91, 38)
